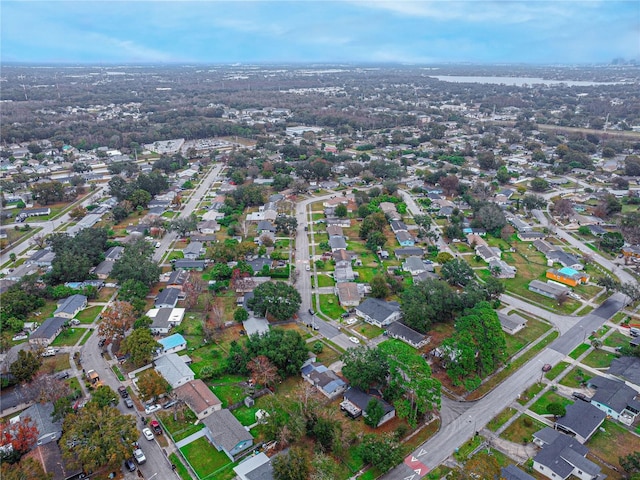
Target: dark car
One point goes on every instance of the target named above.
(581, 396)
(129, 465)
(546, 367)
(102, 342)
(128, 403)
(311, 312)
(62, 375)
(122, 390)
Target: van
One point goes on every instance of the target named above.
(634, 332)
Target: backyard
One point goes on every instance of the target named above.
(88, 315)
(205, 459)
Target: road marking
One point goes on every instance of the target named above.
(409, 478)
(416, 465)
(421, 452)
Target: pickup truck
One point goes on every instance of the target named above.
(50, 352)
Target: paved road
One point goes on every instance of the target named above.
(451, 435)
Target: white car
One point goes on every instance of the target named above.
(151, 408)
(307, 268)
(354, 339)
(148, 434)
(139, 456)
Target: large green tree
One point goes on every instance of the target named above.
(276, 299)
(136, 264)
(382, 452)
(293, 465)
(25, 366)
(96, 437)
(457, 272)
(140, 345)
(365, 367)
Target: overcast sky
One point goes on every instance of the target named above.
(418, 31)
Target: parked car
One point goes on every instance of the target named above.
(307, 268)
(148, 434)
(354, 340)
(139, 456)
(20, 336)
(581, 396)
(311, 312)
(101, 342)
(169, 404)
(62, 375)
(128, 403)
(122, 390)
(129, 465)
(546, 367)
(155, 425)
(149, 409)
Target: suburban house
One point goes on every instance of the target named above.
(348, 294)
(405, 239)
(355, 403)
(208, 227)
(48, 331)
(344, 273)
(626, 368)
(164, 319)
(177, 279)
(511, 324)
(398, 226)
(103, 269)
(50, 457)
(199, 398)
(70, 306)
(550, 290)
(565, 259)
(338, 222)
(568, 276)
(173, 369)
(407, 334)
(326, 381)
(475, 240)
(41, 416)
(266, 226)
(487, 253)
(414, 265)
(171, 344)
(113, 254)
(334, 231)
(501, 269)
(167, 298)
(581, 420)
(389, 209)
(378, 312)
(562, 455)
(519, 225)
(407, 252)
(42, 258)
(511, 472)
(256, 326)
(530, 236)
(186, 264)
(193, 251)
(341, 256)
(615, 398)
(227, 434)
(256, 467)
(257, 264)
(337, 243)
(631, 251)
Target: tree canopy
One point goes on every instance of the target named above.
(136, 264)
(277, 299)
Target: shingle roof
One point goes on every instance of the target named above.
(378, 309)
(49, 327)
(558, 455)
(401, 330)
(627, 368)
(615, 394)
(226, 430)
(361, 399)
(71, 304)
(178, 277)
(168, 296)
(197, 395)
(40, 414)
(582, 418)
(173, 368)
(511, 472)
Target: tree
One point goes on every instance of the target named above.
(104, 396)
(22, 435)
(140, 345)
(365, 367)
(632, 165)
(133, 289)
(277, 299)
(502, 175)
(184, 225)
(116, 320)
(381, 451)
(491, 217)
(556, 409)
(341, 211)
(293, 465)
(139, 198)
(44, 388)
(25, 366)
(151, 384)
(286, 225)
(487, 160)
(444, 257)
(240, 315)
(136, 264)
(457, 272)
(630, 227)
(539, 184)
(493, 288)
(612, 242)
(95, 437)
(563, 207)
(27, 469)
(192, 290)
(263, 371)
(375, 222)
(78, 212)
(630, 463)
(373, 413)
(46, 193)
(375, 239)
(286, 349)
(449, 184)
(379, 287)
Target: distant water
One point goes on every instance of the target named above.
(519, 81)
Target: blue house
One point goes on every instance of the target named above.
(405, 239)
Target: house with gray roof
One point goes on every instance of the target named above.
(167, 298)
(325, 380)
(344, 273)
(414, 265)
(550, 290)
(501, 269)
(487, 253)
(164, 319)
(266, 226)
(398, 226)
(259, 263)
(511, 324)
(227, 434)
(335, 231)
(581, 420)
(565, 259)
(378, 312)
(407, 252)
(337, 243)
(407, 335)
(173, 369)
(41, 416)
(256, 467)
(531, 236)
(113, 254)
(405, 239)
(511, 472)
(615, 398)
(48, 331)
(42, 258)
(70, 306)
(193, 251)
(565, 456)
(348, 294)
(355, 403)
(256, 326)
(186, 264)
(103, 269)
(626, 368)
(177, 279)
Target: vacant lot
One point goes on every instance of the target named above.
(612, 443)
(575, 378)
(88, 315)
(522, 430)
(330, 307)
(599, 359)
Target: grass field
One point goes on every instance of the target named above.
(533, 331)
(181, 428)
(500, 419)
(369, 331)
(599, 359)
(246, 416)
(181, 470)
(325, 281)
(555, 371)
(228, 394)
(88, 315)
(616, 339)
(57, 363)
(575, 378)
(330, 307)
(529, 393)
(68, 337)
(579, 350)
(540, 406)
(522, 429)
(614, 442)
(204, 458)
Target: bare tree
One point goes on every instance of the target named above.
(263, 371)
(214, 321)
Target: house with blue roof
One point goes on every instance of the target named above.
(172, 344)
(326, 381)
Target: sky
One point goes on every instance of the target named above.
(319, 31)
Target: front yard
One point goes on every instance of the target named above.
(330, 307)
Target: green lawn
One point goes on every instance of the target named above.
(529, 393)
(325, 281)
(203, 457)
(181, 470)
(229, 394)
(579, 350)
(555, 371)
(68, 337)
(369, 331)
(86, 337)
(500, 419)
(575, 378)
(181, 428)
(246, 416)
(88, 315)
(599, 359)
(365, 274)
(534, 330)
(175, 255)
(540, 405)
(467, 447)
(329, 306)
(616, 339)
(522, 429)
(613, 441)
